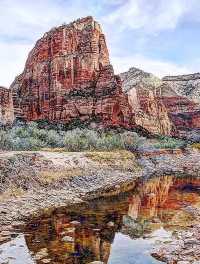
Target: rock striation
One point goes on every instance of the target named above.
(6, 106)
(68, 79)
(161, 106)
(150, 112)
(185, 85)
(68, 76)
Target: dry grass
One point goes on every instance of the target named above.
(48, 177)
(60, 150)
(120, 159)
(12, 192)
(196, 145)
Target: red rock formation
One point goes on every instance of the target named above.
(183, 113)
(150, 112)
(68, 76)
(158, 106)
(6, 106)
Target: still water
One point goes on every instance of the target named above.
(116, 230)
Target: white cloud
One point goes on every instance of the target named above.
(157, 67)
(152, 16)
(22, 22)
(12, 61)
(28, 19)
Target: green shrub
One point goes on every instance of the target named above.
(132, 141)
(168, 142)
(33, 137)
(109, 142)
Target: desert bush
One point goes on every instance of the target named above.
(132, 141)
(31, 137)
(75, 140)
(109, 142)
(168, 142)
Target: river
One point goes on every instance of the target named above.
(114, 230)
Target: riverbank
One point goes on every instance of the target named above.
(36, 183)
(33, 182)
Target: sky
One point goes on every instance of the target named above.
(158, 36)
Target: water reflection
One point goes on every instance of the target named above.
(117, 230)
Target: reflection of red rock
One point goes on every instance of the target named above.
(6, 106)
(157, 194)
(68, 76)
(152, 195)
(81, 239)
(186, 182)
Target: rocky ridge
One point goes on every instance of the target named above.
(159, 105)
(185, 85)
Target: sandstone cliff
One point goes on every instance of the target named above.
(68, 76)
(150, 112)
(185, 85)
(159, 105)
(6, 106)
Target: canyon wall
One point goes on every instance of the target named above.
(150, 112)
(68, 76)
(6, 107)
(161, 106)
(185, 85)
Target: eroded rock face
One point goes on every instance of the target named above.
(68, 76)
(150, 112)
(184, 108)
(6, 107)
(185, 85)
(161, 106)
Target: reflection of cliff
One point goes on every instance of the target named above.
(151, 195)
(73, 243)
(86, 241)
(72, 238)
(86, 234)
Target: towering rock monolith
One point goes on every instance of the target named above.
(68, 77)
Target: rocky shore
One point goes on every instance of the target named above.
(36, 183)
(184, 248)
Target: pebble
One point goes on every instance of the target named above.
(68, 239)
